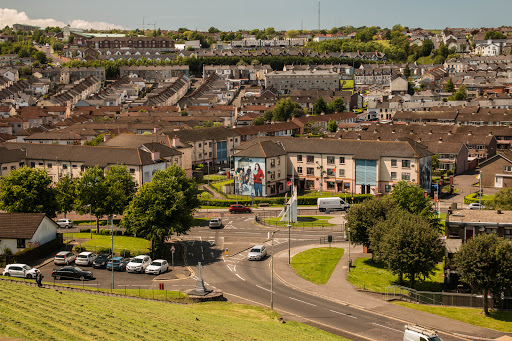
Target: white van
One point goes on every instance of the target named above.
(417, 333)
(332, 204)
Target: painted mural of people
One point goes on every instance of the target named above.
(258, 177)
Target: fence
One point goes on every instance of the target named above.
(436, 298)
(263, 217)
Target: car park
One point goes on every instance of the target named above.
(476, 206)
(85, 258)
(215, 223)
(239, 209)
(20, 270)
(138, 264)
(101, 261)
(257, 252)
(64, 258)
(157, 267)
(65, 223)
(73, 272)
(119, 264)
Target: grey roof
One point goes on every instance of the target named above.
(215, 133)
(263, 149)
(19, 225)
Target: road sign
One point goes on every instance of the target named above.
(173, 249)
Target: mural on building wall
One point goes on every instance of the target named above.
(425, 179)
(250, 176)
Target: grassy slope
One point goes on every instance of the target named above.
(120, 242)
(31, 313)
(316, 265)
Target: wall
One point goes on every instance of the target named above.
(46, 232)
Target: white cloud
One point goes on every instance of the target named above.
(9, 17)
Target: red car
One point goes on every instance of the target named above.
(239, 209)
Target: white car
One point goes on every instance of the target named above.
(138, 264)
(64, 258)
(20, 270)
(258, 252)
(85, 258)
(65, 223)
(157, 267)
(476, 206)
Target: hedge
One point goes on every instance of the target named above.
(353, 199)
(474, 198)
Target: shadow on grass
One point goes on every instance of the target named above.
(505, 316)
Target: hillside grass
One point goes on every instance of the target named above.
(31, 313)
(316, 265)
(133, 244)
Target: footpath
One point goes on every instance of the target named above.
(340, 290)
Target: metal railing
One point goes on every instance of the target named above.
(263, 217)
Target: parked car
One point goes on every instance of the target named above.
(72, 272)
(476, 206)
(64, 257)
(85, 258)
(138, 264)
(65, 223)
(332, 204)
(119, 263)
(101, 261)
(157, 267)
(215, 223)
(20, 270)
(258, 252)
(239, 209)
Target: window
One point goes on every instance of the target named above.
(490, 230)
(331, 171)
(310, 171)
(310, 159)
(330, 160)
(20, 243)
(64, 166)
(278, 174)
(49, 165)
(272, 175)
(299, 170)
(346, 186)
(406, 176)
(508, 234)
(199, 145)
(507, 168)
(406, 163)
(299, 158)
(272, 162)
(32, 164)
(341, 172)
(342, 160)
(4, 168)
(330, 184)
(210, 154)
(75, 166)
(310, 184)
(393, 175)
(279, 161)
(132, 170)
(393, 162)
(387, 188)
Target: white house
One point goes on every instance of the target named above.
(21, 230)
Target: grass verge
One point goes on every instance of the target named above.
(375, 277)
(497, 320)
(133, 244)
(316, 265)
(31, 313)
(302, 221)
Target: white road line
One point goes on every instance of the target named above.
(295, 299)
(237, 275)
(380, 325)
(231, 267)
(347, 315)
(263, 288)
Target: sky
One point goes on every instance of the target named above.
(233, 15)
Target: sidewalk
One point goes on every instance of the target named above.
(340, 290)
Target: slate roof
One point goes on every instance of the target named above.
(262, 149)
(19, 225)
(214, 133)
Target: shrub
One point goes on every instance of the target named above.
(85, 231)
(125, 253)
(7, 251)
(103, 250)
(79, 248)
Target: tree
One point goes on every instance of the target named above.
(121, 188)
(427, 47)
(258, 121)
(28, 190)
(268, 115)
(65, 194)
(502, 200)
(284, 109)
(411, 198)
(163, 206)
(435, 161)
(449, 87)
(332, 126)
(408, 245)
(213, 30)
(40, 57)
(459, 95)
(337, 105)
(362, 218)
(320, 106)
(484, 264)
(494, 35)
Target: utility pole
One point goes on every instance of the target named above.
(319, 15)
(272, 274)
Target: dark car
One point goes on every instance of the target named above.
(101, 261)
(119, 264)
(71, 272)
(239, 209)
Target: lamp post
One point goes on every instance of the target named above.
(272, 273)
(480, 197)
(112, 257)
(90, 219)
(349, 260)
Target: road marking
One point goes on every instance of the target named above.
(347, 315)
(295, 299)
(380, 325)
(237, 275)
(263, 288)
(231, 267)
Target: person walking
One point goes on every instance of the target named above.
(39, 279)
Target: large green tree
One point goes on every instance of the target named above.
(163, 206)
(484, 264)
(28, 190)
(337, 105)
(65, 194)
(408, 245)
(449, 87)
(332, 126)
(502, 199)
(284, 109)
(319, 106)
(411, 198)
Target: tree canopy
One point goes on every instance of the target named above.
(502, 200)
(411, 198)
(65, 194)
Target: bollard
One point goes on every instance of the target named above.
(227, 252)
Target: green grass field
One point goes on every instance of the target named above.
(375, 277)
(31, 313)
(303, 221)
(497, 320)
(135, 245)
(316, 265)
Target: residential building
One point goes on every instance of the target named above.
(285, 81)
(21, 230)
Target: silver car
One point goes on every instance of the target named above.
(258, 252)
(20, 270)
(85, 258)
(64, 258)
(65, 223)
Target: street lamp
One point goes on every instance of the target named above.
(112, 252)
(349, 260)
(90, 219)
(272, 273)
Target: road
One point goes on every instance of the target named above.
(250, 282)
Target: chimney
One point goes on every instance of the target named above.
(176, 141)
(155, 156)
(106, 137)
(155, 129)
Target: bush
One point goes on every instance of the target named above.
(80, 248)
(474, 198)
(125, 253)
(104, 250)
(85, 230)
(7, 251)
(352, 199)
